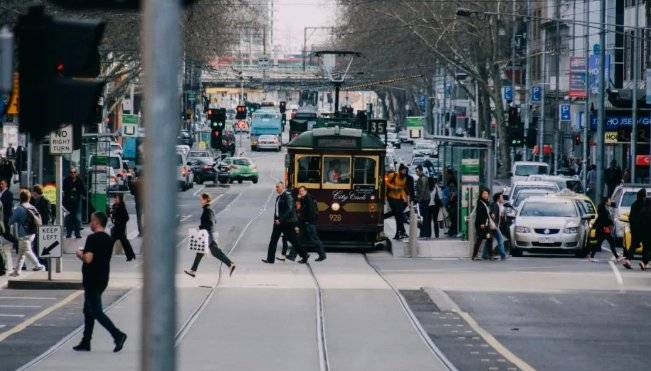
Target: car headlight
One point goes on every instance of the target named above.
(571, 230)
(522, 229)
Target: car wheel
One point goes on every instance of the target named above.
(516, 252)
(255, 180)
(231, 181)
(240, 181)
(582, 253)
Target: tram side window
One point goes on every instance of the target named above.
(364, 171)
(337, 170)
(309, 169)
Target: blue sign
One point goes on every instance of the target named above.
(422, 103)
(536, 93)
(596, 49)
(619, 121)
(564, 112)
(593, 69)
(508, 93)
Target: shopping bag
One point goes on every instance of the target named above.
(118, 249)
(197, 240)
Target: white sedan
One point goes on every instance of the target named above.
(268, 142)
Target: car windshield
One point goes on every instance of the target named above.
(548, 209)
(628, 198)
(526, 194)
(199, 154)
(542, 187)
(241, 161)
(525, 170)
(417, 161)
(179, 160)
(184, 134)
(422, 146)
(264, 116)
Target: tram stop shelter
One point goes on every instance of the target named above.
(469, 163)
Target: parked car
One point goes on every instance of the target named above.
(522, 169)
(623, 197)
(203, 169)
(181, 148)
(572, 183)
(588, 212)
(241, 169)
(115, 149)
(424, 148)
(200, 155)
(184, 174)
(525, 184)
(403, 137)
(392, 139)
(268, 142)
(544, 224)
(184, 138)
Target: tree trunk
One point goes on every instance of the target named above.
(503, 154)
(391, 108)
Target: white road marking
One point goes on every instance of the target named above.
(618, 275)
(19, 306)
(12, 315)
(23, 325)
(554, 300)
(26, 298)
(609, 303)
(198, 190)
(185, 217)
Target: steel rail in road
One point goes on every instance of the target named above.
(414, 321)
(324, 362)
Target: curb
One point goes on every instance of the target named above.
(441, 300)
(44, 285)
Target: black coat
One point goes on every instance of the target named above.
(481, 214)
(119, 215)
(286, 210)
(73, 190)
(603, 220)
(7, 200)
(308, 212)
(43, 207)
(207, 219)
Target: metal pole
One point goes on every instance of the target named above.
(599, 187)
(58, 178)
(337, 86)
(161, 45)
(636, 82)
(304, 46)
(527, 112)
(586, 113)
(557, 134)
(541, 122)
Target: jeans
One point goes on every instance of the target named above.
(497, 235)
(397, 208)
(434, 215)
(93, 311)
(215, 251)
(481, 237)
(25, 251)
(286, 229)
(426, 229)
(312, 237)
(452, 211)
(73, 221)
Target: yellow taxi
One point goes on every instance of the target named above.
(627, 234)
(586, 208)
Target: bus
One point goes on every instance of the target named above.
(265, 122)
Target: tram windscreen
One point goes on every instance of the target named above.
(309, 169)
(364, 171)
(337, 170)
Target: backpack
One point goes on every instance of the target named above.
(33, 220)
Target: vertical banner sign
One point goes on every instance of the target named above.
(536, 94)
(648, 86)
(564, 112)
(593, 66)
(577, 77)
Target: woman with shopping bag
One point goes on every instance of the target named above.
(207, 224)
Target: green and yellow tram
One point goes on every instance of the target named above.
(343, 168)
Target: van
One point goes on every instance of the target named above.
(522, 169)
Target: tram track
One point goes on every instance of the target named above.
(414, 321)
(324, 362)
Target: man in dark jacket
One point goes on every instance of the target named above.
(7, 199)
(308, 215)
(43, 207)
(7, 170)
(73, 190)
(285, 222)
(637, 226)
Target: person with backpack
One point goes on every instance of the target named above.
(27, 220)
(307, 218)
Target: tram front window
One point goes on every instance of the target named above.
(364, 171)
(309, 169)
(337, 170)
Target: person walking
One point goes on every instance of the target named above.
(27, 220)
(11, 152)
(43, 207)
(435, 204)
(7, 170)
(423, 199)
(637, 227)
(613, 176)
(452, 196)
(136, 188)
(5, 255)
(591, 182)
(603, 226)
(285, 220)
(207, 223)
(7, 200)
(497, 215)
(308, 215)
(482, 224)
(646, 236)
(397, 197)
(120, 218)
(73, 190)
(95, 270)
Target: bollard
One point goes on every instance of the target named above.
(413, 231)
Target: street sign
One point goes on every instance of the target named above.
(49, 241)
(61, 141)
(508, 93)
(536, 93)
(130, 119)
(610, 137)
(263, 61)
(564, 112)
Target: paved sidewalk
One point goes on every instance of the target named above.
(443, 247)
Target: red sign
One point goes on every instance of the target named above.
(642, 160)
(547, 149)
(577, 77)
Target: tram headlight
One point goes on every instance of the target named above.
(335, 206)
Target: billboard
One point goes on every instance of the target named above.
(577, 77)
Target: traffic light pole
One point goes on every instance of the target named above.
(636, 79)
(586, 111)
(161, 45)
(599, 186)
(527, 93)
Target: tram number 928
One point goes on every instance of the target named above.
(335, 218)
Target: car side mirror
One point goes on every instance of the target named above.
(508, 204)
(587, 217)
(189, 163)
(613, 205)
(510, 174)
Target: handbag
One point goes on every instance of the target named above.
(607, 229)
(197, 240)
(490, 223)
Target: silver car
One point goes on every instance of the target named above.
(268, 142)
(548, 223)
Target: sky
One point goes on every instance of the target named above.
(292, 16)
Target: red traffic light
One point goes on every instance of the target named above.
(241, 108)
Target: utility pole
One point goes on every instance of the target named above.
(161, 44)
(586, 113)
(304, 46)
(541, 121)
(599, 187)
(559, 133)
(513, 93)
(527, 112)
(636, 82)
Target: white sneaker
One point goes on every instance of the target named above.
(39, 269)
(14, 274)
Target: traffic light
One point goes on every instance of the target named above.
(283, 106)
(58, 61)
(532, 133)
(513, 116)
(215, 139)
(240, 113)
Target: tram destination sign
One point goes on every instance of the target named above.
(365, 189)
(337, 142)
